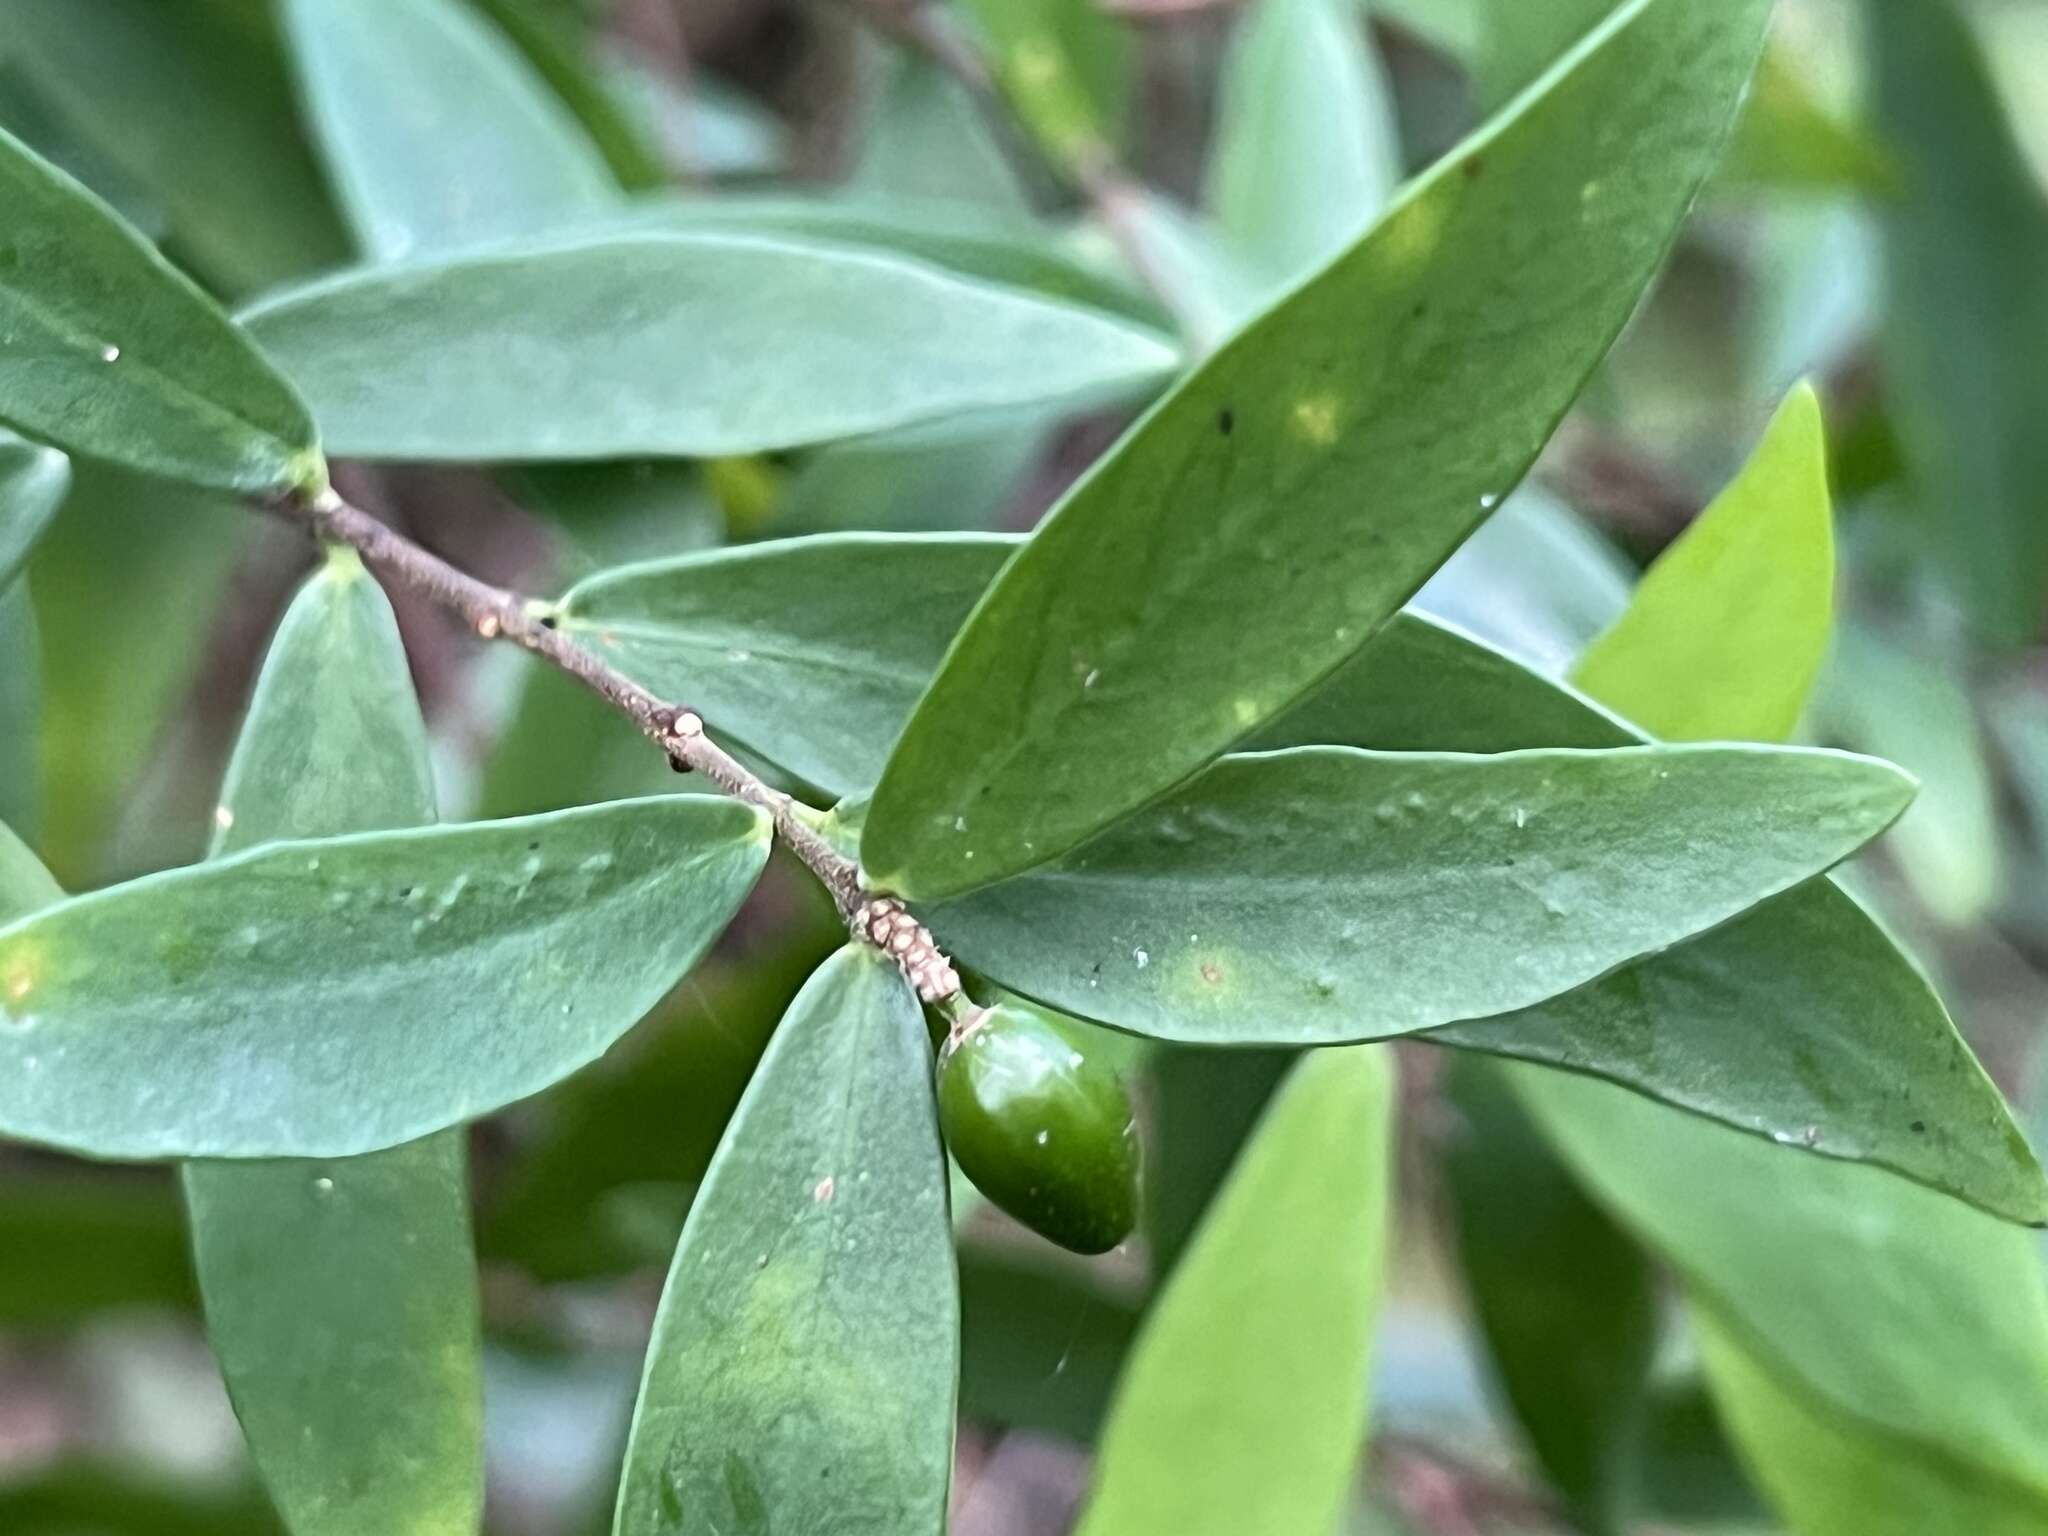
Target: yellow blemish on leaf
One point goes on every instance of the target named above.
(1315, 419)
(21, 970)
(1246, 711)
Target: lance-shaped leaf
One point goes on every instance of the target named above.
(341, 1296)
(33, 482)
(110, 351)
(696, 345)
(1243, 1405)
(1827, 1020)
(1270, 514)
(1964, 314)
(1325, 895)
(1733, 621)
(345, 995)
(802, 1370)
(1307, 149)
(435, 130)
(21, 713)
(1898, 1318)
(810, 651)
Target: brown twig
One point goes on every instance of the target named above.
(678, 730)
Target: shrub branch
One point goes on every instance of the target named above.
(496, 614)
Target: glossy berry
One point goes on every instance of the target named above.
(1042, 1130)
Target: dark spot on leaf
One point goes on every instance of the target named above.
(533, 847)
(1919, 1127)
(1226, 421)
(1475, 167)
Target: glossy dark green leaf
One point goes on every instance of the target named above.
(1242, 1406)
(811, 651)
(1325, 895)
(1749, 589)
(1565, 1300)
(1040, 1341)
(1307, 151)
(1800, 1021)
(112, 352)
(344, 995)
(192, 100)
(803, 1365)
(33, 483)
(1202, 1106)
(1269, 515)
(1963, 246)
(1884, 1313)
(341, 1297)
(435, 129)
(598, 348)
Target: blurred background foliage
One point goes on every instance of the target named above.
(1879, 226)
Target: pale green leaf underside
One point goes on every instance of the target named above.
(33, 482)
(802, 1371)
(1325, 895)
(809, 651)
(112, 353)
(327, 998)
(435, 130)
(1271, 513)
(1243, 1404)
(694, 345)
(341, 1297)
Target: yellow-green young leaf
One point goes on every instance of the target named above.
(802, 1371)
(1964, 313)
(434, 129)
(1831, 1478)
(1903, 1321)
(1243, 1404)
(25, 886)
(1271, 513)
(110, 351)
(192, 101)
(1307, 149)
(341, 1296)
(596, 347)
(1066, 67)
(348, 994)
(1726, 634)
(33, 483)
(1325, 895)
(1787, 140)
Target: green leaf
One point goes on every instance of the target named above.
(1041, 1342)
(926, 137)
(341, 1297)
(33, 484)
(809, 651)
(1891, 1313)
(435, 130)
(86, 1498)
(1516, 41)
(21, 709)
(25, 885)
(1799, 1021)
(191, 99)
(233, 1010)
(103, 1242)
(1964, 246)
(802, 1370)
(1307, 150)
(596, 348)
(1065, 65)
(1326, 895)
(1730, 626)
(966, 240)
(1566, 1302)
(114, 353)
(1271, 513)
(1243, 1405)
(1787, 140)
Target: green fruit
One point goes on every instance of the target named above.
(1042, 1130)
